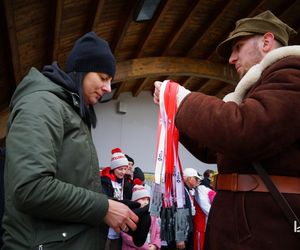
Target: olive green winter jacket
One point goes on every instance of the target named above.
(52, 187)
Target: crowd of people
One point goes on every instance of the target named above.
(55, 197)
(126, 183)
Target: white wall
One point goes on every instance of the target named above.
(134, 132)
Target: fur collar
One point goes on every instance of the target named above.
(252, 76)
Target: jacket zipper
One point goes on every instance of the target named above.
(41, 247)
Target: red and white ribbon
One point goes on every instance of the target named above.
(168, 170)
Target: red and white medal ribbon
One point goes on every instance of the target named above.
(168, 171)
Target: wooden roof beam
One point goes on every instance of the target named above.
(155, 22)
(254, 11)
(14, 49)
(182, 27)
(216, 23)
(213, 24)
(119, 90)
(3, 122)
(57, 28)
(186, 82)
(211, 86)
(157, 66)
(123, 25)
(99, 11)
(137, 90)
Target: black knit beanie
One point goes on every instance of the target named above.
(129, 158)
(91, 54)
(138, 173)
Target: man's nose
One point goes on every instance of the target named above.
(233, 58)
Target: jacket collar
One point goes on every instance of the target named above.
(254, 73)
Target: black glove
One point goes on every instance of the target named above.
(131, 204)
(139, 236)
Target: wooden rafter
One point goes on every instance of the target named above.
(253, 12)
(57, 28)
(286, 14)
(216, 24)
(123, 25)
(99, 10)
(173, 39)
(213, 24)
(11, 27)
(121, 31)
(3, 122)
(143, 42)
(174, 31)
(224, 91)
(177, 34)
(156, 66)
(211, 86)
(186, 82)
(154, 24)
(182, 27)
(119, 90)
(139, 87)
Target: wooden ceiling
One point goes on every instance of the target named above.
(178, 43)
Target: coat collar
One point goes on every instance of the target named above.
(254, 73)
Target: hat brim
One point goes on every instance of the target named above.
(224, 49)
(199, 177)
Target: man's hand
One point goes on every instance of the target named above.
(152, 247)
(180, 245)
(120, 217)
(182, 92)
(157, 85)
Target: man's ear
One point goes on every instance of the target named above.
(268, 42)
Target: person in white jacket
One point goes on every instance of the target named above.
(203, 200)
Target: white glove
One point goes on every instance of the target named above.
(182, 92)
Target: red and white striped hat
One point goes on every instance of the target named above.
(118, 159)
(139, 192)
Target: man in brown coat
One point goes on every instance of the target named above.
(258, 122)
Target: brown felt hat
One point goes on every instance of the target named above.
(260, 24)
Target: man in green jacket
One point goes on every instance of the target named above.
(53, 196)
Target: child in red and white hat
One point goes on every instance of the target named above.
(142, 195)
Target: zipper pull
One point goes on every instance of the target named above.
(41, 247)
